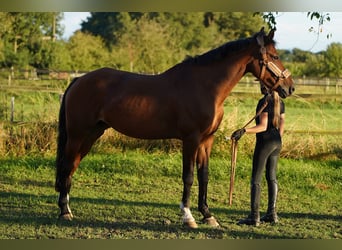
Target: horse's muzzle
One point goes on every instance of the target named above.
(283, 93)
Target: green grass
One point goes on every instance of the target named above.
(136, 194)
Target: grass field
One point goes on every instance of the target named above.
(131, 189)
(136, 194)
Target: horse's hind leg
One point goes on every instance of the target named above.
(76, 149)
(70, 163)
(89, 141)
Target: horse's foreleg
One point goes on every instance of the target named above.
(202, 162)
(189, 156)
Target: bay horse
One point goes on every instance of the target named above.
(185, 102)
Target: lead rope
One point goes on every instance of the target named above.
(234, 147)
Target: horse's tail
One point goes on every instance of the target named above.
(61, 140)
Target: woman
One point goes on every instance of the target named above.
(269, 129)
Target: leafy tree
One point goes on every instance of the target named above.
(60, 56)
(299, 55)
(23, 31)
(236, 25)
(154, 41)
(87, 52)
(146, 47)
(188, 30)
(333, 60)
(191, 30)
(314, 66)
(104, 24)
(51, 56)
(145, 42)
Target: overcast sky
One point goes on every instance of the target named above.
(292, 30)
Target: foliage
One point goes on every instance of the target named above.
(24, 34)
(145, 47)
(86, 52)
(148, 42)
(333, 60)
(152, 42)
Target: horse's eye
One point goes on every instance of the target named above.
(275, 57)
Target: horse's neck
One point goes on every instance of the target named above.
(230, 77)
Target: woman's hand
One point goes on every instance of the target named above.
(238, 134)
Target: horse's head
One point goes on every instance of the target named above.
(267, 67)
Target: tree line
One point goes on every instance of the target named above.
(140, 42)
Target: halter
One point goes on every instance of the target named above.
(273, 68)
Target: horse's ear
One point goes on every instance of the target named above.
(271, 34)
(260, 37)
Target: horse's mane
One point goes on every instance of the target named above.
(222, 52)
(218, 53)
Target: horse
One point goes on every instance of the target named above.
(185, 102)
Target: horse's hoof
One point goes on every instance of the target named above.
(66, 217)
(211, 221)
(190, 224)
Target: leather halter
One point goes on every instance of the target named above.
(273, 68)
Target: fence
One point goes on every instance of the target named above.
(304, 86)
(29, 109)
(39, 74)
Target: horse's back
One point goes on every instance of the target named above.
(142, 106)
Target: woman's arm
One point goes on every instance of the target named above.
(261, 127)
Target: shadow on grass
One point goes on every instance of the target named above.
(42, 210)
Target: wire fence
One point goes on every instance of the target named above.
(29, 108)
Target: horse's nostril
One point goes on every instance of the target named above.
(291, 90)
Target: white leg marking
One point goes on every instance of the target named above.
(187, 216)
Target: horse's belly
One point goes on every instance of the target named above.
(144, 123)
(144, 129)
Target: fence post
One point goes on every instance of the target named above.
(1, 137)
(337, 86)
(12, 110)
(327, 83)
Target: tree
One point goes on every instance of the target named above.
(191, 29)
(103, 24)
(154, 41)
(236, 25)
(333, 60)
(52, 56)
(23, 31)
(147, 47)
(87, 52)
(299, 55)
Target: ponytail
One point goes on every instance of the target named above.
(276, 111)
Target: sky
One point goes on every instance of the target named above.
(292, 30)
